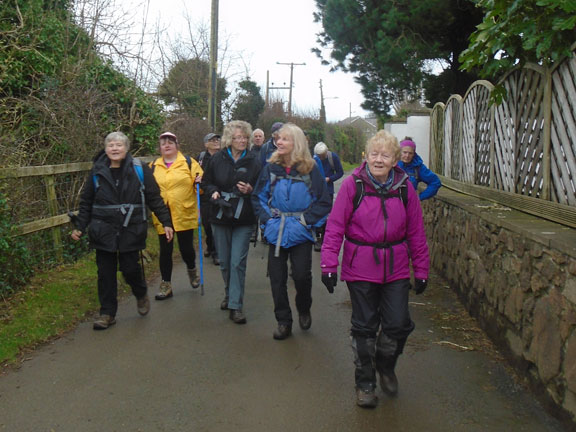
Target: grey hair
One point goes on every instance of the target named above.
(117, 136)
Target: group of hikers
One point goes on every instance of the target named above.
(246, 187)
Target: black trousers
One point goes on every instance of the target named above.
(381, 324)
(108, 263)
(301, 270)
(186, 245)
(207, 227)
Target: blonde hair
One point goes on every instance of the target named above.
(230, 128)
(300, 154)
(383, 140)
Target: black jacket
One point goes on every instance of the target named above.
(101, 215)
(221, 175)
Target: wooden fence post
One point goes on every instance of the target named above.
(53, 208)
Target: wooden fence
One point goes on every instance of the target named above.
(40, 197)
(521, 153)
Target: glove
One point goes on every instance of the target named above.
(420, 285)
(329, 280)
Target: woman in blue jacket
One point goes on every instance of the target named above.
(416, 170)
(290, 200)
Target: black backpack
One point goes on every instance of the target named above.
(360, 193)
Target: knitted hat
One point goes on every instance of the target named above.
(408, 143)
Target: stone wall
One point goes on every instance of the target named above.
(516, 274)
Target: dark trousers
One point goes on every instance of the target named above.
(381, 324)
(186, 245)
(207, 228)
(108, 263)
(301, 269)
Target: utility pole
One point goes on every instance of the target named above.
(213, 71)
(291, 82)
(268, 88)
(322, 107)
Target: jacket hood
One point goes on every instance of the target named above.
(399, 176)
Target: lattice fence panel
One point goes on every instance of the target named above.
(448, 125)
(437, 139)
(504, 164)
(454, 149)
(483, 134)
(468, 136)
(529, 132)
(563, 133)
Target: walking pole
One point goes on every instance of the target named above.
(200, 240)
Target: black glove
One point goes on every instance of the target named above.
(420, 285)
(329, 280)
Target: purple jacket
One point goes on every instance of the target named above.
(403, 230)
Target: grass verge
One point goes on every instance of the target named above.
(54, 302)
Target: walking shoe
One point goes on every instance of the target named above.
(165, 291)
(194, 278)
(103, 322)
(207, 253)
(215, 260)
(389, 382)
(366, 398)
(305, 321)
(237, 316)
(318, 246)
(143, 305)
(224, 304)
(282, 332)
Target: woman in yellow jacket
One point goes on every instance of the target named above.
(177, 177)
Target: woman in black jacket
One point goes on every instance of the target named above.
(229, 180)
(113, 212)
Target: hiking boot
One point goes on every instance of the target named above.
(282, 332)
(165, 291)
(103, 322)
(143, 305)
(305, 321)
(224, 304)
(237, 316)
(366, 398)
(389, 382)
(194, 278)
(215, 260)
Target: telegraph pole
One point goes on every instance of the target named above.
(213, 71)
(322, 107)
(268, 88)
(291, 82)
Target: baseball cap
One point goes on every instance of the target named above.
(210, 136)
(168, 135)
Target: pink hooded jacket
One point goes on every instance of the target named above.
(403, 229)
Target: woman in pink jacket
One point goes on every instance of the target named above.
(377, 215)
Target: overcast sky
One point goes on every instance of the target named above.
(271, 31)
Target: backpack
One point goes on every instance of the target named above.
(137, 164)
(200, 158)
(331, 160)
(359, 195)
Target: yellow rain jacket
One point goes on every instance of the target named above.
(178, 190)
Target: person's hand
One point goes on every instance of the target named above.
(327, 179)
(169, 233)
(76, 234)
(244, 188)
(198, 179)
(215, 195)
(329, 280)
(420, 285)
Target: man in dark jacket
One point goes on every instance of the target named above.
(113, 212)
(269, 146)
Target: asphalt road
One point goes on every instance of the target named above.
(187, 367)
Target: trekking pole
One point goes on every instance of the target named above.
(200, 240)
